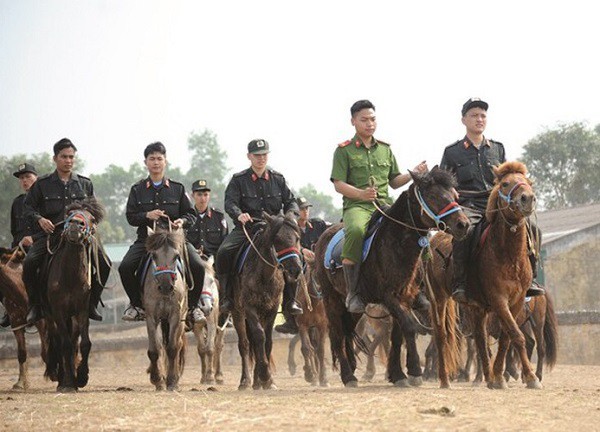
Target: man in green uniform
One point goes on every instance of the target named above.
(363, 167)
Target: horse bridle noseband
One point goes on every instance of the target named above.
(281, 255)
(79, 215)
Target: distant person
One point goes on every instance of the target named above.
(151, 199)
(363, 168)
(472, 159)
(248, 194)
(210, 228)
(45, 207)
(310, 229)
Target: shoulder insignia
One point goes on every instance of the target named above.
(345, 143)
(276, 173)
(454, 143)
(241, 173)
(496, 142)
(216, 210)
(44, 177)
(83, 177)
(175, 182)
(140, 181)
(383, 142)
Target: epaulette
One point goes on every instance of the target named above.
(241, 173)
(276, 173)
(496, 142)
(83, 177)
(175, 181)
(140, 181)
(216, 210)
(383, 142)
(345, 143)
(454, 143)
(44, 177)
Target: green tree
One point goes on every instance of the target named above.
(322, 204)
(564, 165)
(10, 186)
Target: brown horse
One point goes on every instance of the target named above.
(497, 280)
(272, 261)
(387, 274)
(312, 328)
(69, 281)
(15, 302)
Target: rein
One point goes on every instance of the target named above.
(282, 255)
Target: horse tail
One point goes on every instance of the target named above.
(447, 321)
(182, 353)
(53, 354)
(550, 333)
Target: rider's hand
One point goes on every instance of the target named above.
(368, 194)
(309, 256)
(244, 217)
(421, 168)
(178, 223)
(46, 225)
(155, 214)
(26, 241)
(455, 194)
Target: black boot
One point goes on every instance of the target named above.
(421, 303)
(535, 290)
(289, 326)
(459, 279)
(95, 295)
(35, 310)
(354, 304)
(291, 305)
(226, 294)
(4, 320)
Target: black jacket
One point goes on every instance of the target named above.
(49, 197)
(247, 193)
(169, 196)
(20, 226)
(311, 233)
(209, 231)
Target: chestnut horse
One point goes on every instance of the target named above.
(15, 302)
(69, 281)
(387, 274)
(272, 261)
(497, 280)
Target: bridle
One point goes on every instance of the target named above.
(79, 216)
(508, 197)
(281, 255)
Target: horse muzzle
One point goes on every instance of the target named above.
(526, 204)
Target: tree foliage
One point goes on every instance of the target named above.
(564, 165)
(322, 204)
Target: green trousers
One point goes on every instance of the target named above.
(356, 220)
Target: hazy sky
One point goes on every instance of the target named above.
(116, 75)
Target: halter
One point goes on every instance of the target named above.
(446, 211)
(79, 215)
(508, 197)
(284, 254)
(167, 270)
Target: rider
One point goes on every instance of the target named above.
(45, 207)
(363, 167)
(151, 199)
(310, 231)
(210, 228)
(248, 194)
(471, 159)
(20, 227)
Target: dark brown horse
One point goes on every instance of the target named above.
(273, 260)
(497, 280)
(69, 281)
(15, 302)
(389, 270)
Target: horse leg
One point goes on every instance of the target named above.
(269, 323)
(290, 360)
(481, 342)
(156, 376)
(175, 349)
(211, 331)
(370, 369)
(498, 371)
(217, 358)
(308, 354)
(321, 333)
(394, 369)
(335, 312)
(239, 322)
(413, 361)
(201, 335)
(23, 381)
(511, 327)
(68, 356)
(540, 345)
(85, 346)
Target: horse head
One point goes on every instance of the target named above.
(165, 250)
(513, 196)
(82, 219)
(436, 196)
(284, 235)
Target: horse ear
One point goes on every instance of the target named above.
(150, 231)
(267, 217)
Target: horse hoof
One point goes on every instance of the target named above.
(351, 384)
(500, 384)
(270, 386)
(220, 381)
(292, 370)
(159, 388)
(445, 386)
(20, 387)
(415, 381)
(534, 384)
(402, 383)
(324, 384)
(173, 388)
(61, 389)
(243, 387)
(367, 377)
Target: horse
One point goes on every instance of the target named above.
(15, 302)
(272, 261)
(497, 280)
(312, 329)
(387, 273)
(376, 322)
(209, 335)
(69, 282)
(165, 302)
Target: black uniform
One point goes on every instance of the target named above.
(312, 231)
(20, 226)
(209, 231)
(248, 193)
(48, 198)
(170, 197)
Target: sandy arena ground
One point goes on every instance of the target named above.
(119, 396)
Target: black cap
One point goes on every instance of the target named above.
(303, 202)
(200, 185)
(473, 103)
(258, 146)
(25, 168)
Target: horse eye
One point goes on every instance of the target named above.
(505, 184)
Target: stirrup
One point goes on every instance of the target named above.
(354, 304)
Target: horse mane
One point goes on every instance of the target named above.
(91, 205)
(160, 239)
(278, 222)
(511, 167)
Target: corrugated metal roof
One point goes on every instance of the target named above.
(558, 223)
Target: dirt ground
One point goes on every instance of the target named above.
(570, 401)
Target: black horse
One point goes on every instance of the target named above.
(388, 272)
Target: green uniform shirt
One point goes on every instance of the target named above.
(355, 164)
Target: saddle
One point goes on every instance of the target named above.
(333, 252)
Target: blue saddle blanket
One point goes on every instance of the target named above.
(333, 253)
